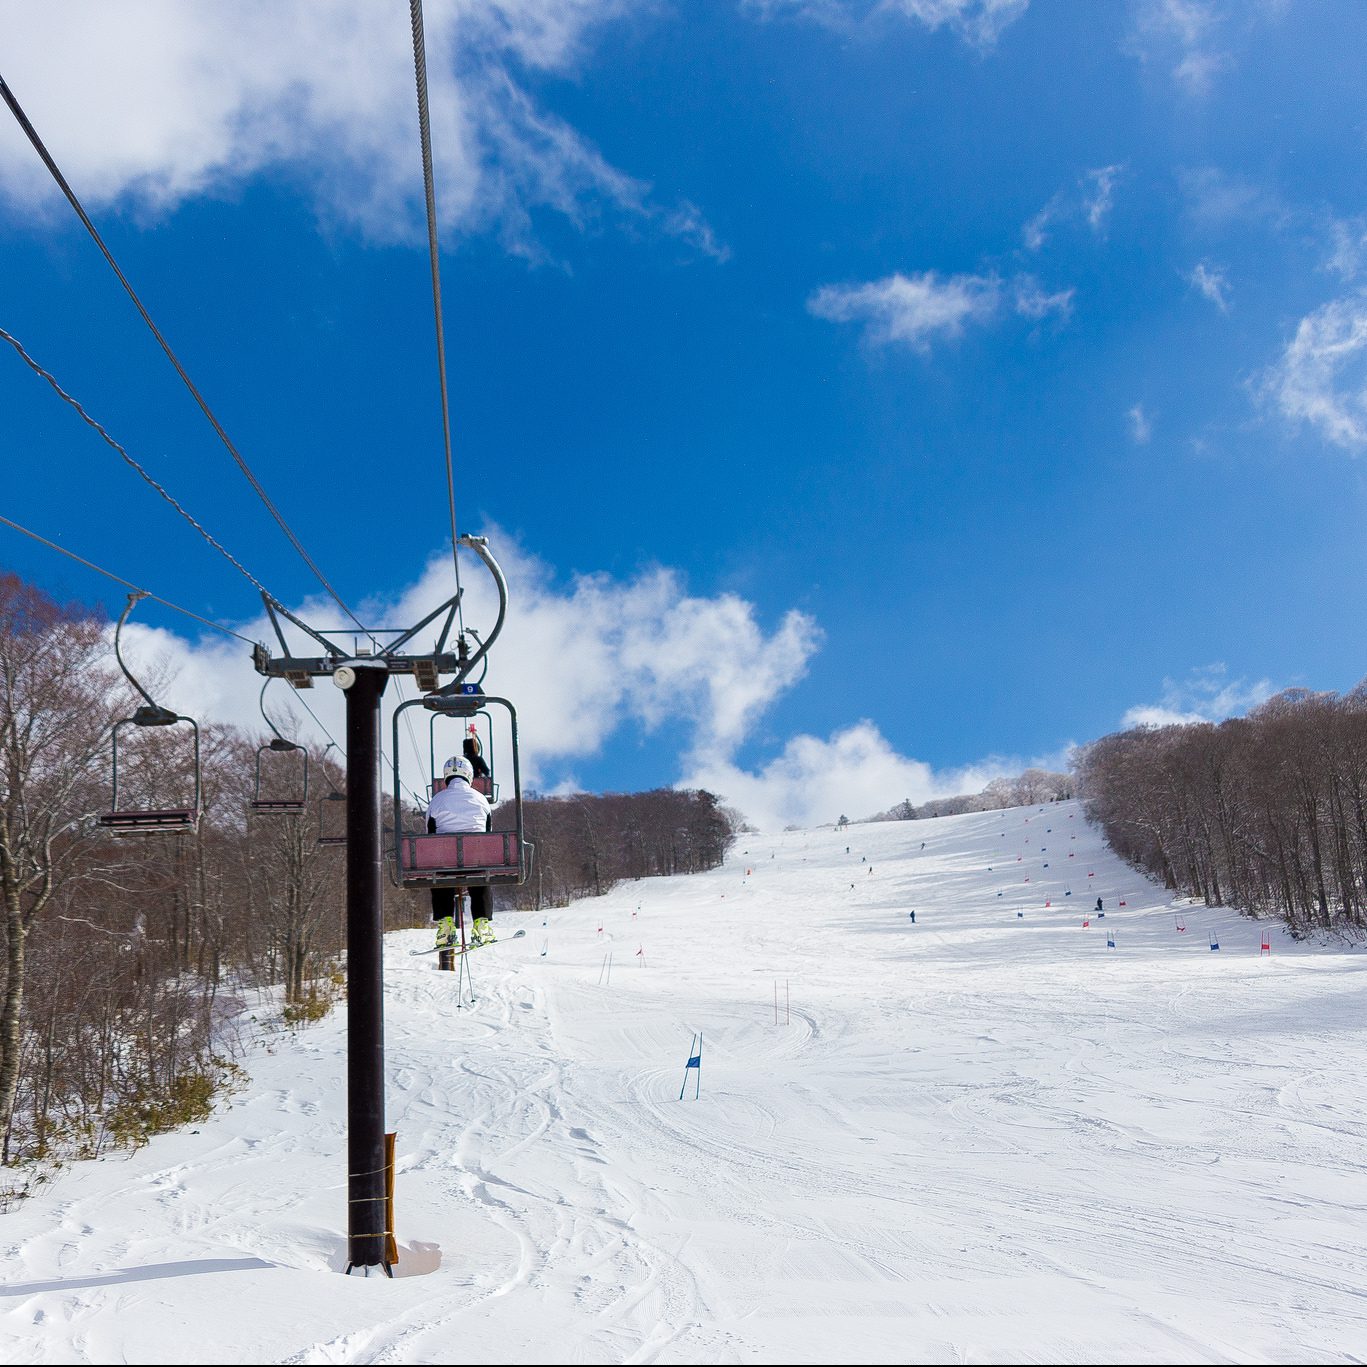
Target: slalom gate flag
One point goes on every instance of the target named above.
(694, 1061)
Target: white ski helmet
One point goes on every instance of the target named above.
(458, 767)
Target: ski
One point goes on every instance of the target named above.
(516, 935)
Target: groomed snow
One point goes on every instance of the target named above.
(978, 1137)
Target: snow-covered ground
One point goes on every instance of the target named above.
(975, 1137)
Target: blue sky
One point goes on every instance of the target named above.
(863, 397)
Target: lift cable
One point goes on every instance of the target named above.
(8, 95)
(166, 602)
(412, 735)
(170, 498)
(127, 583)
(421, 801)
(425, 135)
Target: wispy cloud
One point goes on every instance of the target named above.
(1321, 377)
(1206, 694)
(916, 310)
(1212, 282)
(1184, 36)
(210, 96)
(1089, 201)
(977, 22)
(1347, 247)
(1032, 300)
(912, 309)
(1098, 191)
(1141, 429)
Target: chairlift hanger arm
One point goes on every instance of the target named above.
(154, 714)
(280, 742)
(480, 546)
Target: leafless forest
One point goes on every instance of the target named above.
(131, 960)
(1266, 813)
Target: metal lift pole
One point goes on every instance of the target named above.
(363, 681)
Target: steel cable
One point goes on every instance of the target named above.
(425, 136)
(32, 134)
(104, 434)
(127, 583)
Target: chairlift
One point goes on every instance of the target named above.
(469, 859)
(295, 798)
(125, 818)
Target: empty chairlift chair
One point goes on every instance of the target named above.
(282, 787)
(138, 807)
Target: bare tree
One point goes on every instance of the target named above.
(55, 713)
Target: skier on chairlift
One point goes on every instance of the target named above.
(458, 809)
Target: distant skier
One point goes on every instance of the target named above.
(1098, 903)
(923, 844)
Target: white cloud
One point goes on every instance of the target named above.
(1205, 695)
(201, 97)
(916, 310)
(580, 662)
(1217, 201)
(1098, 192)
(1182, 35)
(1347, 247)
(1321, 377)
(1091, 201)
(1211, 282)
(913, 309)
(854, 772)
(583, 663)
(978, 22)
(1033, 301)
(1033, 233)
(1141, 429)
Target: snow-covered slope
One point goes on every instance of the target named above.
(980, 1136)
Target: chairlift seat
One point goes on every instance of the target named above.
(279, 806)
(148, 821)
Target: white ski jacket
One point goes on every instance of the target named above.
(458, 809)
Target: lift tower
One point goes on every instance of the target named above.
(363, 671)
